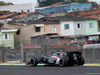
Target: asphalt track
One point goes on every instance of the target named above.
(48, 70)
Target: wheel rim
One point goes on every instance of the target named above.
(61, 62)
(32, 62)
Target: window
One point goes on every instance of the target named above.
(99, 25)
(66, 26)
(54, 29)
(91, 25)
(22, 11)
(78, 25)
(28, 10)
(18, 32)
(77, 9)
(52, 12)
(6, 36)
(37, 29)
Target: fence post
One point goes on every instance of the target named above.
(68, 47)
(21, 52)
(93, 54)
(84, 54)
(24, 55)
(3, 55)
(43, 49)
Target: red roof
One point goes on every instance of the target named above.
(91, 12)
(26, 14)
(88, 13)
(7, 16)
(19, 15)
(98, 6)
(56, 4)
(30, 47)
(1, 13)
(5, 29)
(93, 16)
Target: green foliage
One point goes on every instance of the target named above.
(72, 1)
(94, 4)
(2, 47)
(43, 3)
(2, 3)
(5, 12)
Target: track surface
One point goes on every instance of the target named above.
(49, 70)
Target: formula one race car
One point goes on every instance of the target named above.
(60, 58)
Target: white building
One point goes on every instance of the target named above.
(29, 7)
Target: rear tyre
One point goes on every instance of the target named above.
(71, 59)
(81, 61)
(34, 61)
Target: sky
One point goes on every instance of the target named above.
(31, 1)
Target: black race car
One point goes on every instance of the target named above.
(60, 58)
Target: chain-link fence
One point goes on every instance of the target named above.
(92, 53)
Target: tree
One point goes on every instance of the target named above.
(43, 3)
(2, 3)
(94, 4)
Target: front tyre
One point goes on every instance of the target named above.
(34, 61)
(61, 63)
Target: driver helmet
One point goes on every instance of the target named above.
(58, 53)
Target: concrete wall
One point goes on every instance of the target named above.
(14, 55)
(91, 56)
(9, 55)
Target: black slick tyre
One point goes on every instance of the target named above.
(34, 62)
(81, 61)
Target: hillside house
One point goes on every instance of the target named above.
(7, 37)
(8, 17)
(62, 26)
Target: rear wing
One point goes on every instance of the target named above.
(74, 52)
